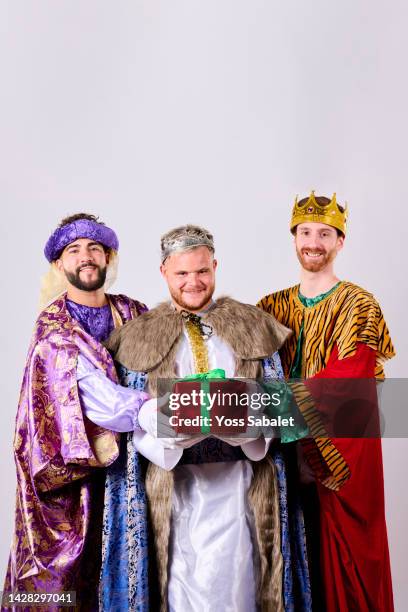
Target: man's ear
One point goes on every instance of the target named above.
(340, 242)
(107, 255)
(59, 265)
(215, 264)
(163, 270)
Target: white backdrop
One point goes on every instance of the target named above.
(154, 113)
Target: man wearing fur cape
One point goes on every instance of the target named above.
(224, 536)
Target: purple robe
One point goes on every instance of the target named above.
(59, 503)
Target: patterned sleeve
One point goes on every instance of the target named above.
(272, 368)
(130, 378)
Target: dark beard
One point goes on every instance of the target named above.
(75, 280)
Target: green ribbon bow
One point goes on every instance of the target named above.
(205, 379)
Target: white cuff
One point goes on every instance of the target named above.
(256, 449)
(149, 447)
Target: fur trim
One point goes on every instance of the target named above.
(263, 499)
(159, 490)
(249, 335)
(143, 344)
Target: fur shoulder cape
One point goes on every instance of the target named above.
(143, 343)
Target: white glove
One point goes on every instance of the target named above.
(157, 424)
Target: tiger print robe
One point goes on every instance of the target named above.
(345, 336)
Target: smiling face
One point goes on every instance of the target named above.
(317, 244)
(84, 264)
(190, 277)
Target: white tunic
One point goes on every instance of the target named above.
(212, 558)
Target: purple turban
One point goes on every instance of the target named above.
(83, 228)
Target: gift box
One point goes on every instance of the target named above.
(210, 404)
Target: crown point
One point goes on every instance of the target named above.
(332, 213)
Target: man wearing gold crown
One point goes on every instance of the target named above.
(339, 332)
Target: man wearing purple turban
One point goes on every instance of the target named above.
(70, 408)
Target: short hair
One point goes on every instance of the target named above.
(78, 217)
(322, 201)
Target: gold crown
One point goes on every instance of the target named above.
(311, 211)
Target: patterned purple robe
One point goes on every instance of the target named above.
(59, 503)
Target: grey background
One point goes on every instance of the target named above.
(155, 113)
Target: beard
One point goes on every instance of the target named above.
(195, 306)
(315, 266)
(75, 279)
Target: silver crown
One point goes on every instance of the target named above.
(183, 239)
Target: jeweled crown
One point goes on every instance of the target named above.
(312, 211)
